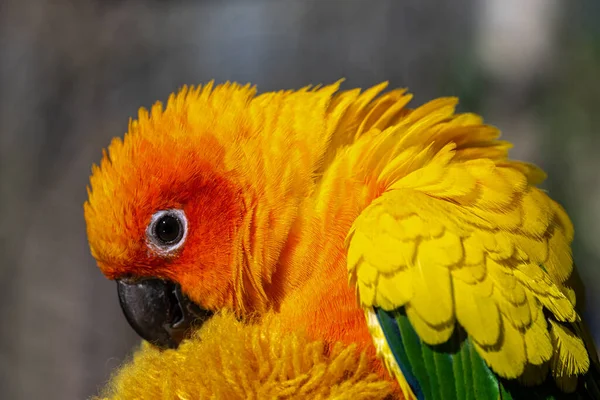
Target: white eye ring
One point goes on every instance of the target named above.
(167, 231)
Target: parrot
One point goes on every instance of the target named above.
(406, 233)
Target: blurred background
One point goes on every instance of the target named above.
(73, 72)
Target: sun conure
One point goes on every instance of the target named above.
(351, 220)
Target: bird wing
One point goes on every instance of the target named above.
(460, 261)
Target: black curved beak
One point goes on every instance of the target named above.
(158, 311)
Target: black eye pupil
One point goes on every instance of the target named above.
(168, 229)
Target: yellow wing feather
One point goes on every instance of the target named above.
(456, 233)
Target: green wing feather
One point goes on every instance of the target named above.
(455, 371)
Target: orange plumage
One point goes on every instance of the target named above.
(251, 247)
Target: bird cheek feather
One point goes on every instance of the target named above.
(204, 266)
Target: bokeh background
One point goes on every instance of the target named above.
(73, 72)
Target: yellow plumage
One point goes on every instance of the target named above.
(458, 233)
(228, 359)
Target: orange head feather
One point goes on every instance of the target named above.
(237, 165)
(171, 159)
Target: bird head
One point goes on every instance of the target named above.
(170, 210)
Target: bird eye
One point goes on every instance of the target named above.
(167, 230)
